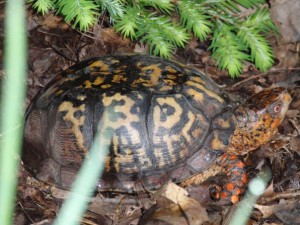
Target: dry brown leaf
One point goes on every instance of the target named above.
(171, 192)
(267, 211)
(53, 21)
(174, 207)
(269, 191)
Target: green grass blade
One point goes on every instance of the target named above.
(12, 99)
(256, 188)
(86, 181)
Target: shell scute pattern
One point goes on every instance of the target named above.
(165, 117)
(189, 128)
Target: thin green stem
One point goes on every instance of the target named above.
(12, 107)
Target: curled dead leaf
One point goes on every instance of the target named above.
(174, 207)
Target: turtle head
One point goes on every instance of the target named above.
(257, 119)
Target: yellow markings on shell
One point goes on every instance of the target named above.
(165, 88)
(188, 125)
(119, 78)
(99, 80)
(87, 84)
(216, 143)
(121, 70)
(99, 64)
(171, 70)
(105, 86)
(196, 132)
(170, 82)
(129, 103)
(170, 121)
(81, 97)
(196, 95)
(101, 67)
(197, 79)
(208, 92)
(118, 122)
(115, 149)
(166, 139)
(171, 76)
(76, 122)
(154, 76)
(225, 124)
(59, 92)
(142, 81)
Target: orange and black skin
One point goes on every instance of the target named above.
(257, 120)
(256, 123)
(170, 122)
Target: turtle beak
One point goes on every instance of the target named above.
(287, 98)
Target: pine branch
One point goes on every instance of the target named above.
(249, 3)
(261, 51)
(82, 12)
(171, 31)
(234, 38)
(251, 33)
(159, 46)
(42, 6)
(228, 50)
(194, 19)
(115, 8)
(162, 35)
(232, 5)
(129, 23)
(261, 20)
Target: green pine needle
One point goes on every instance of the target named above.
(82, 12)
(194, 19)
(159, 46)
(261, 20)
(231, 6)
(170, 31)
(162, 35)
(42, 6)
(261, 51)
(115, 8)
(129, 23)
(248, 3)
(228, 50)
(251, 32)
(234, 38)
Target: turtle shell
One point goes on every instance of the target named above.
(170, 121)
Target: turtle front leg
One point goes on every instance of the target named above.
(233, 168)
(236, 179)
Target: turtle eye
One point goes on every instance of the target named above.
(275, 108)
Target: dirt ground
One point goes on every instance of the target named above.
(54, 46)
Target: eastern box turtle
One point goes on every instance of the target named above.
(170, 122)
